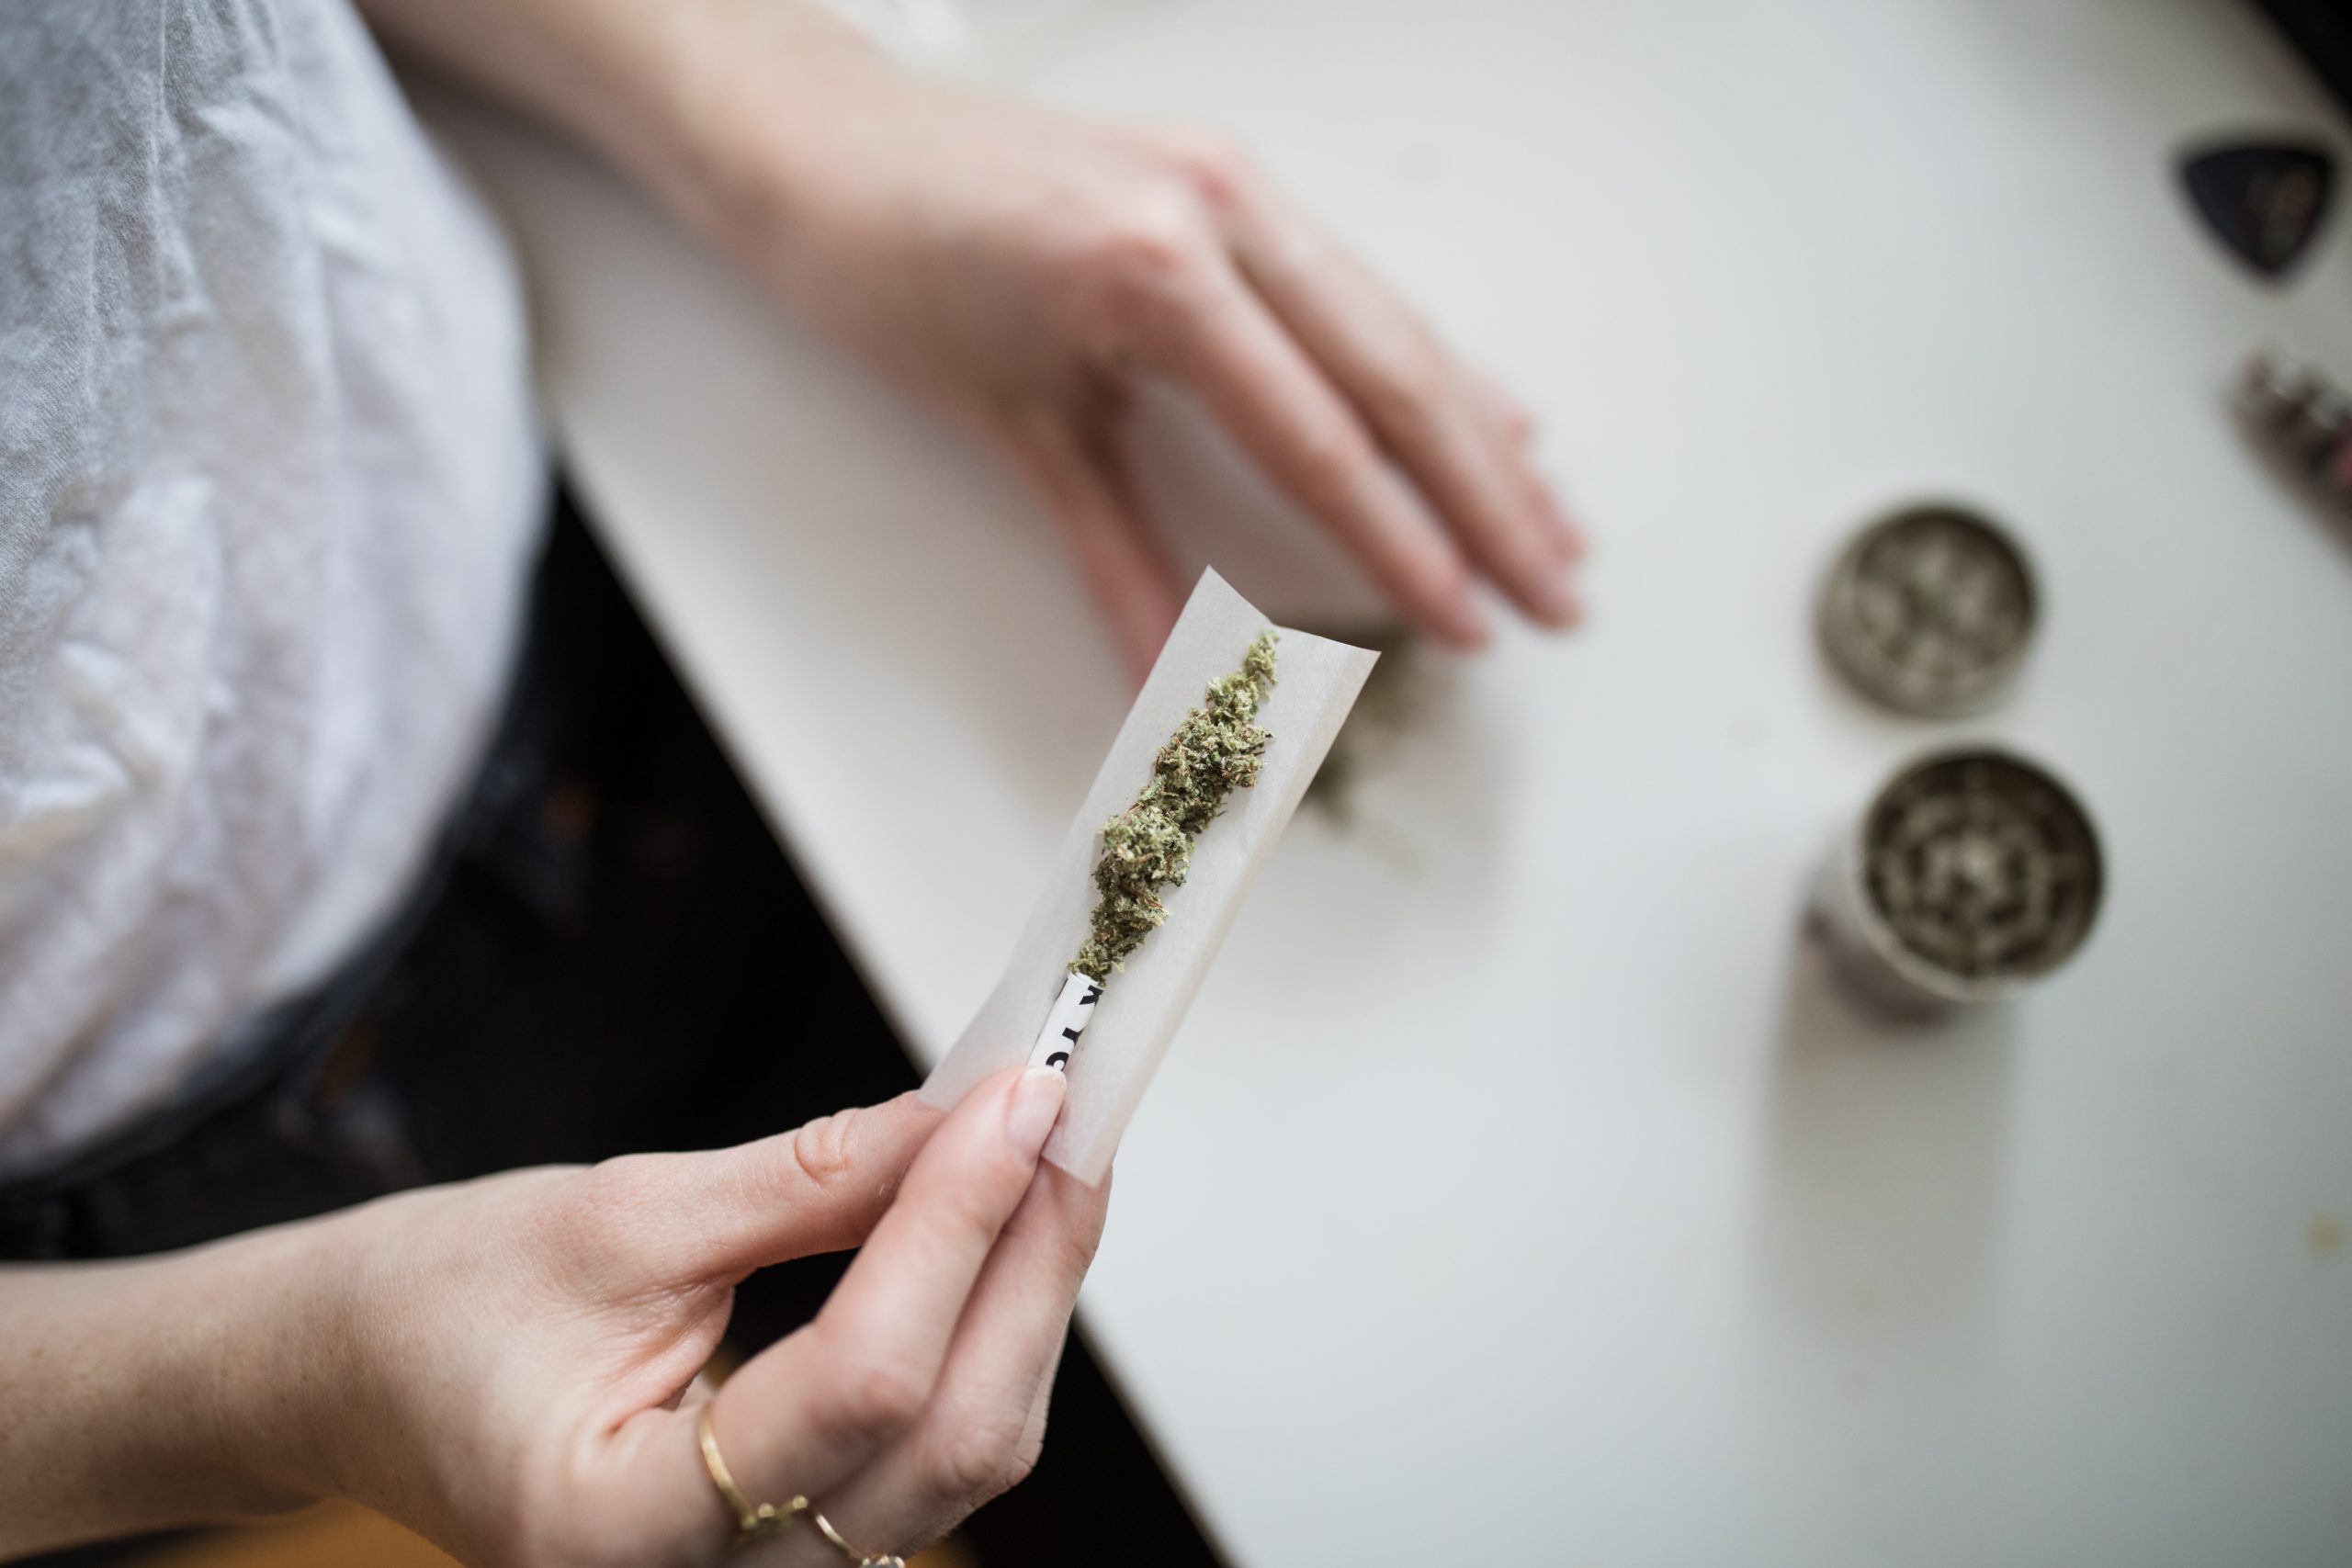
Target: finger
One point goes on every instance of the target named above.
(1033, 1430)
(1486, 492)
(1568, 537)
(1508, 411)
(1455, 444)
(1087, 485)
(816, 1406)
(1379, 350)
(1033, 1427)
(1213, 335)
(819, 1188)
(982, 1432)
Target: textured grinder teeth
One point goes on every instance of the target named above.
(1982, 866)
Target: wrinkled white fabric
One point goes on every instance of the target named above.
(269, 493)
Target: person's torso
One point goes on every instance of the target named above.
(269, 491)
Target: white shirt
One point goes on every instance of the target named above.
(270, 489)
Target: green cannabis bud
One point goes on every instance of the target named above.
(1149, 845)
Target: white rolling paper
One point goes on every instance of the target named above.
(1315, 683)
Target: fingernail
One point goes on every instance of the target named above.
(1036, 1101)
(1568, 538)
(1554, 601)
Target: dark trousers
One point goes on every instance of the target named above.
(609, 954)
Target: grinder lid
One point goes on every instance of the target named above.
(1930, 611)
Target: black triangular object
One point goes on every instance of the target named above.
(2264, 199)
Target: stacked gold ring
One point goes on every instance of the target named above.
(825, 1528)
(757, 1521)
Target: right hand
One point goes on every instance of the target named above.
(521, 1353)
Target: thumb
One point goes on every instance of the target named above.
(816, 1189)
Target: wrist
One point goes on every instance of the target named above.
(181, 1390)
(260, 1356)
(738, 119)
(703, 101)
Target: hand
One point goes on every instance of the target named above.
(509, 1366)
(1021, 269)
(531, 1342)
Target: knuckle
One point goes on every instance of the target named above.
(1212, 162)
(624, 1178)
(821, 1150)
(874, 1396)
(1148, 256)
(1156, 242)
(1406, 381)
(1331, 463)
(978, 1459)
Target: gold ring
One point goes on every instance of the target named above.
(825, 1527)
(753, 1522)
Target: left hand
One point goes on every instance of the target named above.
(1021, 269)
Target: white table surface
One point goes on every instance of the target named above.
(1521, 1180)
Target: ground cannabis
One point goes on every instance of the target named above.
(1149, 845)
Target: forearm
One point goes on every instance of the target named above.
(690, 96)
(163, 1392)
